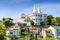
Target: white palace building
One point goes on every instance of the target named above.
(37, 16)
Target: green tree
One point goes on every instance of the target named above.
(58, 19)
(2, 32)
(52, 38)
(13, 37)
(49, 38)
(54, 22)
(25, 32)
(32, 22)
(42, 23)
(7, 22)
(32, 37)
(49, 19)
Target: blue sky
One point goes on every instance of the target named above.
(13, 8)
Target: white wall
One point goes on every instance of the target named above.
(15, 32)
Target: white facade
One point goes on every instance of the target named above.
(37, 16)
(56, 31)
(13, 30)
(21, 19)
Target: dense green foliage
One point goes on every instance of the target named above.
(2, 32)
(50, 20)
(32, 22)
(58, 19)
(32, 37)
(42, 23)
(24, 32)
(13, 37)
(47, 38)
(24, 38)
(38, 38)
(54, 22)
(7, 22)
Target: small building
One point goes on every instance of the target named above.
(13, 30)
(22, 20)
(55, 31)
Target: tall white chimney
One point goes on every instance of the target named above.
(39, 10)
(34, 9)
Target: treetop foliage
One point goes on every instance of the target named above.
(50, 20)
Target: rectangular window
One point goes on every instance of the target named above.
(40, 19)
(44, 15)
(36, 14)
(41, 15)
